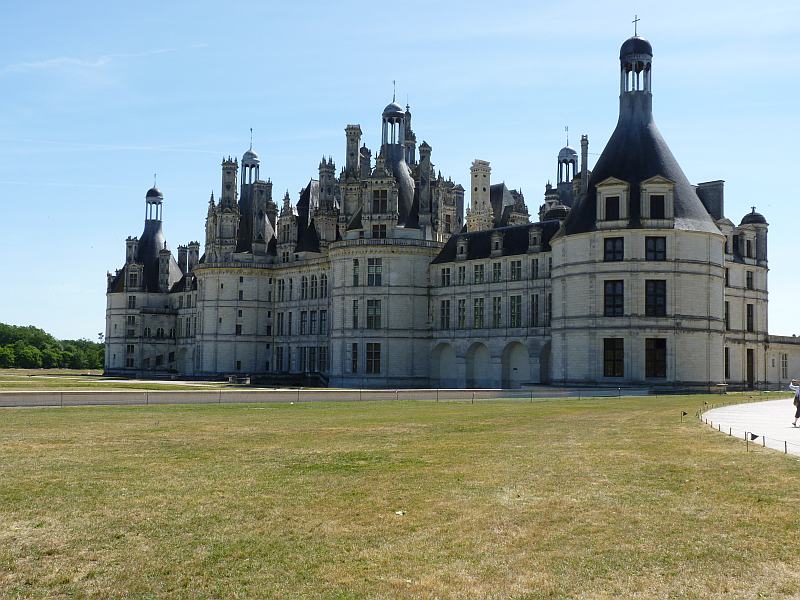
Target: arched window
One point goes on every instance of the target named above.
(323, 286)
(303, 288)
(313, 286)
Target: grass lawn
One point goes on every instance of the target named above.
(592, 498)
(82, 379)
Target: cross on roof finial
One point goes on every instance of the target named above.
(566, 130)
(754, 209)
(394, 90)
(251, 138)
(155, 175)
(635, 22)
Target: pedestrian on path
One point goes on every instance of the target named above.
(796, 389)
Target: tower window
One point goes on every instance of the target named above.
(655, 248)
(655, 357)
(657, 206)
(749, 280)
(614, 249)
(380, 201)
(655, 298)
(612, 208)
(614, 298)
(613, 357)
(374, 271)
(750, 318)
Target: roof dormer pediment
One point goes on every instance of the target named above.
(612, 182)
(658, 180)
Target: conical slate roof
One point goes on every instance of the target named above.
(634, 153)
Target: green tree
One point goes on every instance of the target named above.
(7, 357)
(28, 357)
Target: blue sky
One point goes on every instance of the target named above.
(96, 97)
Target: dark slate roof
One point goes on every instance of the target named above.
(187, 283)
(634, 153)
(154, 192)
(150, 244)
(515, 241)
(753, 218)
(307, 238)
(499, 198)
(635, 45)
(355, 221)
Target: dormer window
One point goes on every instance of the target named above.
(612, 203)
(612, 208)
(534, 240)
(461, 249)
(497, 244)
(656, 201)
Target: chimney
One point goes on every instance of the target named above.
(182, 259)
(584, 163)
(193, 256)
(712, 195)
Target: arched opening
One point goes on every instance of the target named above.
(478, 366)
(544, 363)
(516, 365)
(443, 367)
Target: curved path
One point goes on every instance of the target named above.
(770, 420)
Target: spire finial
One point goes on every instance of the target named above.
(251, 138)
(754, 209)
(155, 177)
(566, 131)
(394, 90)
(635, 22)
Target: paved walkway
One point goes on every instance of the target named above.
(770, 420)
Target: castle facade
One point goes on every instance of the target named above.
(375, 277)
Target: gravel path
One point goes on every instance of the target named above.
(770, 420)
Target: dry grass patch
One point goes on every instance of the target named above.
(595, 498)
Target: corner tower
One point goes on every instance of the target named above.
(630, 303)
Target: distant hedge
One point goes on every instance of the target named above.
(32, 348)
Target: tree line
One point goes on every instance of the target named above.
(32, 348)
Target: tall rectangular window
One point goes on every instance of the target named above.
(133, 280)
(655, 298)
(477, 313)
(727, 277)
(748, 245)
(497, 311)
(515, 311)
(749, 279)
(612, 208)
(477, 274)
(241, 295)
(355, 272)
(238, 329)
(379, 231)
(462, 275)
(444, 314)
(303, 322)
(374, 271)
(784, 366)
(281, 290)
(613, 249)
(380, 201)
(373, 314)
(323, 322)
(516, 270)
(535, 310)
(727, 355)
(280, 323)
(497, 272)
(279, 358)
(534, 268)
(655, 248)
(655, 357)
(446, 277)
(312, 322)
(614, 298)
(462, 313)
(373, 358)
(323, 359)
(289, 323)
(131, 301)
(312, 359)
(613, 357)
(657, 210)
(355, 314)
(751, 318)
(727, 316)
(354, 358)
(548, 310)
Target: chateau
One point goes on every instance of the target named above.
(630, 275)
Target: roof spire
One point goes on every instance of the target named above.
(155, 176)
(566, 130)
(394, 90)
(251, 138)
(635, 22)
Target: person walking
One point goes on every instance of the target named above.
(796, 389)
